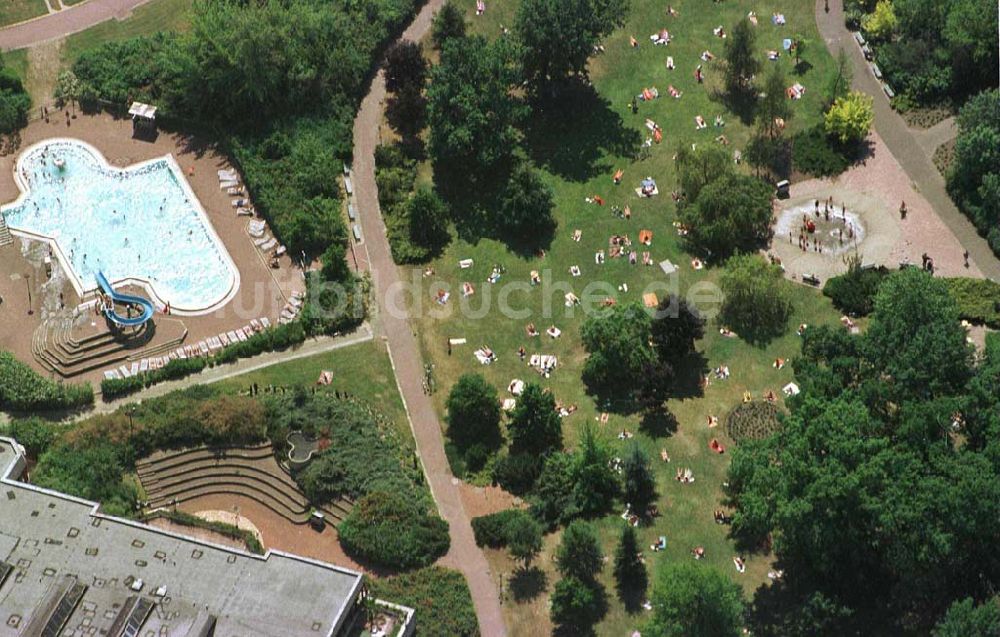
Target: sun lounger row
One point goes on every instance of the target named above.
(201, 348)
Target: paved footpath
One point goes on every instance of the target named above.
(407, 361)
(64, 22)
(903, 143)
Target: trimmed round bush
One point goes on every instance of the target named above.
(395, 530)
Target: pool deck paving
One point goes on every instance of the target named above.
(905, 143)
(65, 21)
(263, 291)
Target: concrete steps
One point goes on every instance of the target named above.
(6, 238)
(173, 477)
(58, 351)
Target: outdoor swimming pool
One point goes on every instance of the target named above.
(142, 222)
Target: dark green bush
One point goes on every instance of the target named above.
(14, 102)
(854, 292)
(34, 434)
(440, 597)
(492, 530)
(814, 153)
(395, 530)
(23, 389)
(978, 300)
(518, 472)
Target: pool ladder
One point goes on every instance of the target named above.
(5, 237)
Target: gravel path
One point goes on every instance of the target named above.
(406, 357)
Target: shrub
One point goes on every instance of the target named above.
(577, 605)
(14, 102)
(752, 421)
(34, 434)
(23, 389)
(492, 530)
(394, 530)
(229, 530)
(756, 302)
(854, 292)
(517, 472)
(814, 153)
(978, 300)
(440, 597)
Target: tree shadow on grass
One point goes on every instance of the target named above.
(742, 104)
(688, 374)
(658, 423)
(568, 135)
(802, 67)
(528, 583)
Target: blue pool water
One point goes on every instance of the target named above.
(137, 222)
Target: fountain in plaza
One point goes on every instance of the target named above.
(820, 227)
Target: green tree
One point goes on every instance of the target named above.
(881, 23)
(915, 337)
(579, 554)
(595, 483)
(335, 268)
(557, 38)
(428, 219)
(731, 214)
(524, 539)
(967, 619)
(620, 353)
(799, 47)
(395, 530)
(850, 118)
(839, 82)
(630, 572)
(773, 106)
(576, 605)
(449, 23)
(526, 207)
(405, 67)
(67, 88)
(474, 412)
(699, 166)
(755, 302)
(471, 110)
(741, 59)
(692, 600)
(14, 102)
(535, 426)
(639, 483)
(675, 328)
(552, 500)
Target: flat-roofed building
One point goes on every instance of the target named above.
(67, 569)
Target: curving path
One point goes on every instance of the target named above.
(903, 143)
(404, 351)
(64, 22)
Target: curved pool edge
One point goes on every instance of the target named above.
(82, 291)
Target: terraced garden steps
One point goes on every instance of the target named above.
(173, 477)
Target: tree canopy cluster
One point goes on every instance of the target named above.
(14, 101)
(755, 300)
(724, 211)
(880, 492)
(974, 177)
(278, 81)
(932, 51)
(632, 354)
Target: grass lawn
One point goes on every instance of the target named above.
(579, 149)
(158, 15)
(17, 61)
(13, 11)
(362, 370)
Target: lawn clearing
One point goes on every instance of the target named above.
(580, 147)
(362, 370)
(158, 15)
(14, 11)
